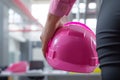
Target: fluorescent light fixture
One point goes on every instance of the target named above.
(74, 10)
(82, 5)
(92, 5)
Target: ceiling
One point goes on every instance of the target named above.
(46, 1)
(39, 1)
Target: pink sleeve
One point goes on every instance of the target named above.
(61, 7)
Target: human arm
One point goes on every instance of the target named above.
(58, 8)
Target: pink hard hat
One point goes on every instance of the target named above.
(73, 48)
(18, 67)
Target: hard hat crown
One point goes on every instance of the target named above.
(73, 48)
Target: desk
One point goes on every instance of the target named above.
(58, 76)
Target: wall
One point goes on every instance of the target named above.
(14, 50)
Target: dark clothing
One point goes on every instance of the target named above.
(108, 39)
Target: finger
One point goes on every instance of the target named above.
(59, 24)
(44, 50)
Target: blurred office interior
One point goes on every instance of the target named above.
(21, 23)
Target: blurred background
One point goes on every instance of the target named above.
(21, 23)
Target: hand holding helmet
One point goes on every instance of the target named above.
(73, 48)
